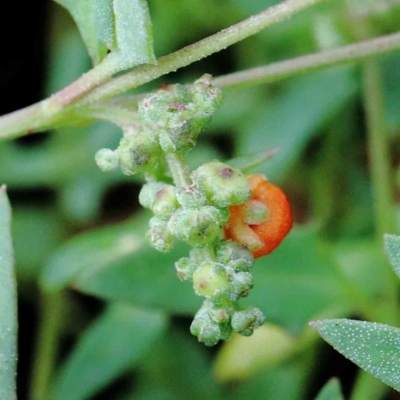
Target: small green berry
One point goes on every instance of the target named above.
(210, 280)
(148, 193)
(165, 202)
(138, 153)
(185, 268)
(222, 184)
(196, 226)
(244, 322)
(107, 160)
(160, 238)
(206, 330)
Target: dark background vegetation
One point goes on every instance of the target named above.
(317, 120)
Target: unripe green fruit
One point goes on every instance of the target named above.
(244, 322)
(160, 238)
(185, 269)
(241, 283)
(138, 153)
(236, 256)
(222, 184)
(210, 280)
(190, 197)
(165, 202)
(107, 160)
(148, 193)
(196, 226)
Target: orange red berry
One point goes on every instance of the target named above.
(261, 238)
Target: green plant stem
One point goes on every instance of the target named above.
(367, 387)
(52, 307)
(47, 113)
(285, 69)
(179, 169)
(201, 49)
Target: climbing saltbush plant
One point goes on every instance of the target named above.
(212, 244)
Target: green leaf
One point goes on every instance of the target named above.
(253, 160)
(296, 116)
(373, 347)
(331, 391)
(178, 368)
(115, 343)
(146, 278)
(121, 26)
(82, 12)
(8, 304)
(89, 253)
(133, 33)
(104, 22)
(392, 250)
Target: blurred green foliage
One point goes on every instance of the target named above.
(330, 265)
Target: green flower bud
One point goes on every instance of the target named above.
(244, 322)
(222, 184)
(210, 280)
(160, 238)
(153, 107)
(106, 160)
(190, 197)
(138, 153)
(165, 202)
(241, 283)
(254, 212)
(148, 193)
(180, 132)
(185, 268)
(236, 256)
(155, 221)
(204, 328)
(196, 226)
(205, 96)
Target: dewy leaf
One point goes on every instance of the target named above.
(104, 22)
(253, 160)
(331, 391)
(110, 347)
(392, 250)
(8, 304)
(133, 33)
(373, 347)
(82, 12)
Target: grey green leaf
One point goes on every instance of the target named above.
(373, 347)
(8, 304)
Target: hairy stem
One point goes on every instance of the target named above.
(179, 169)
(52, 307)
(201, 49)
(285, 69)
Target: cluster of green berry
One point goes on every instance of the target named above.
(195, 209)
